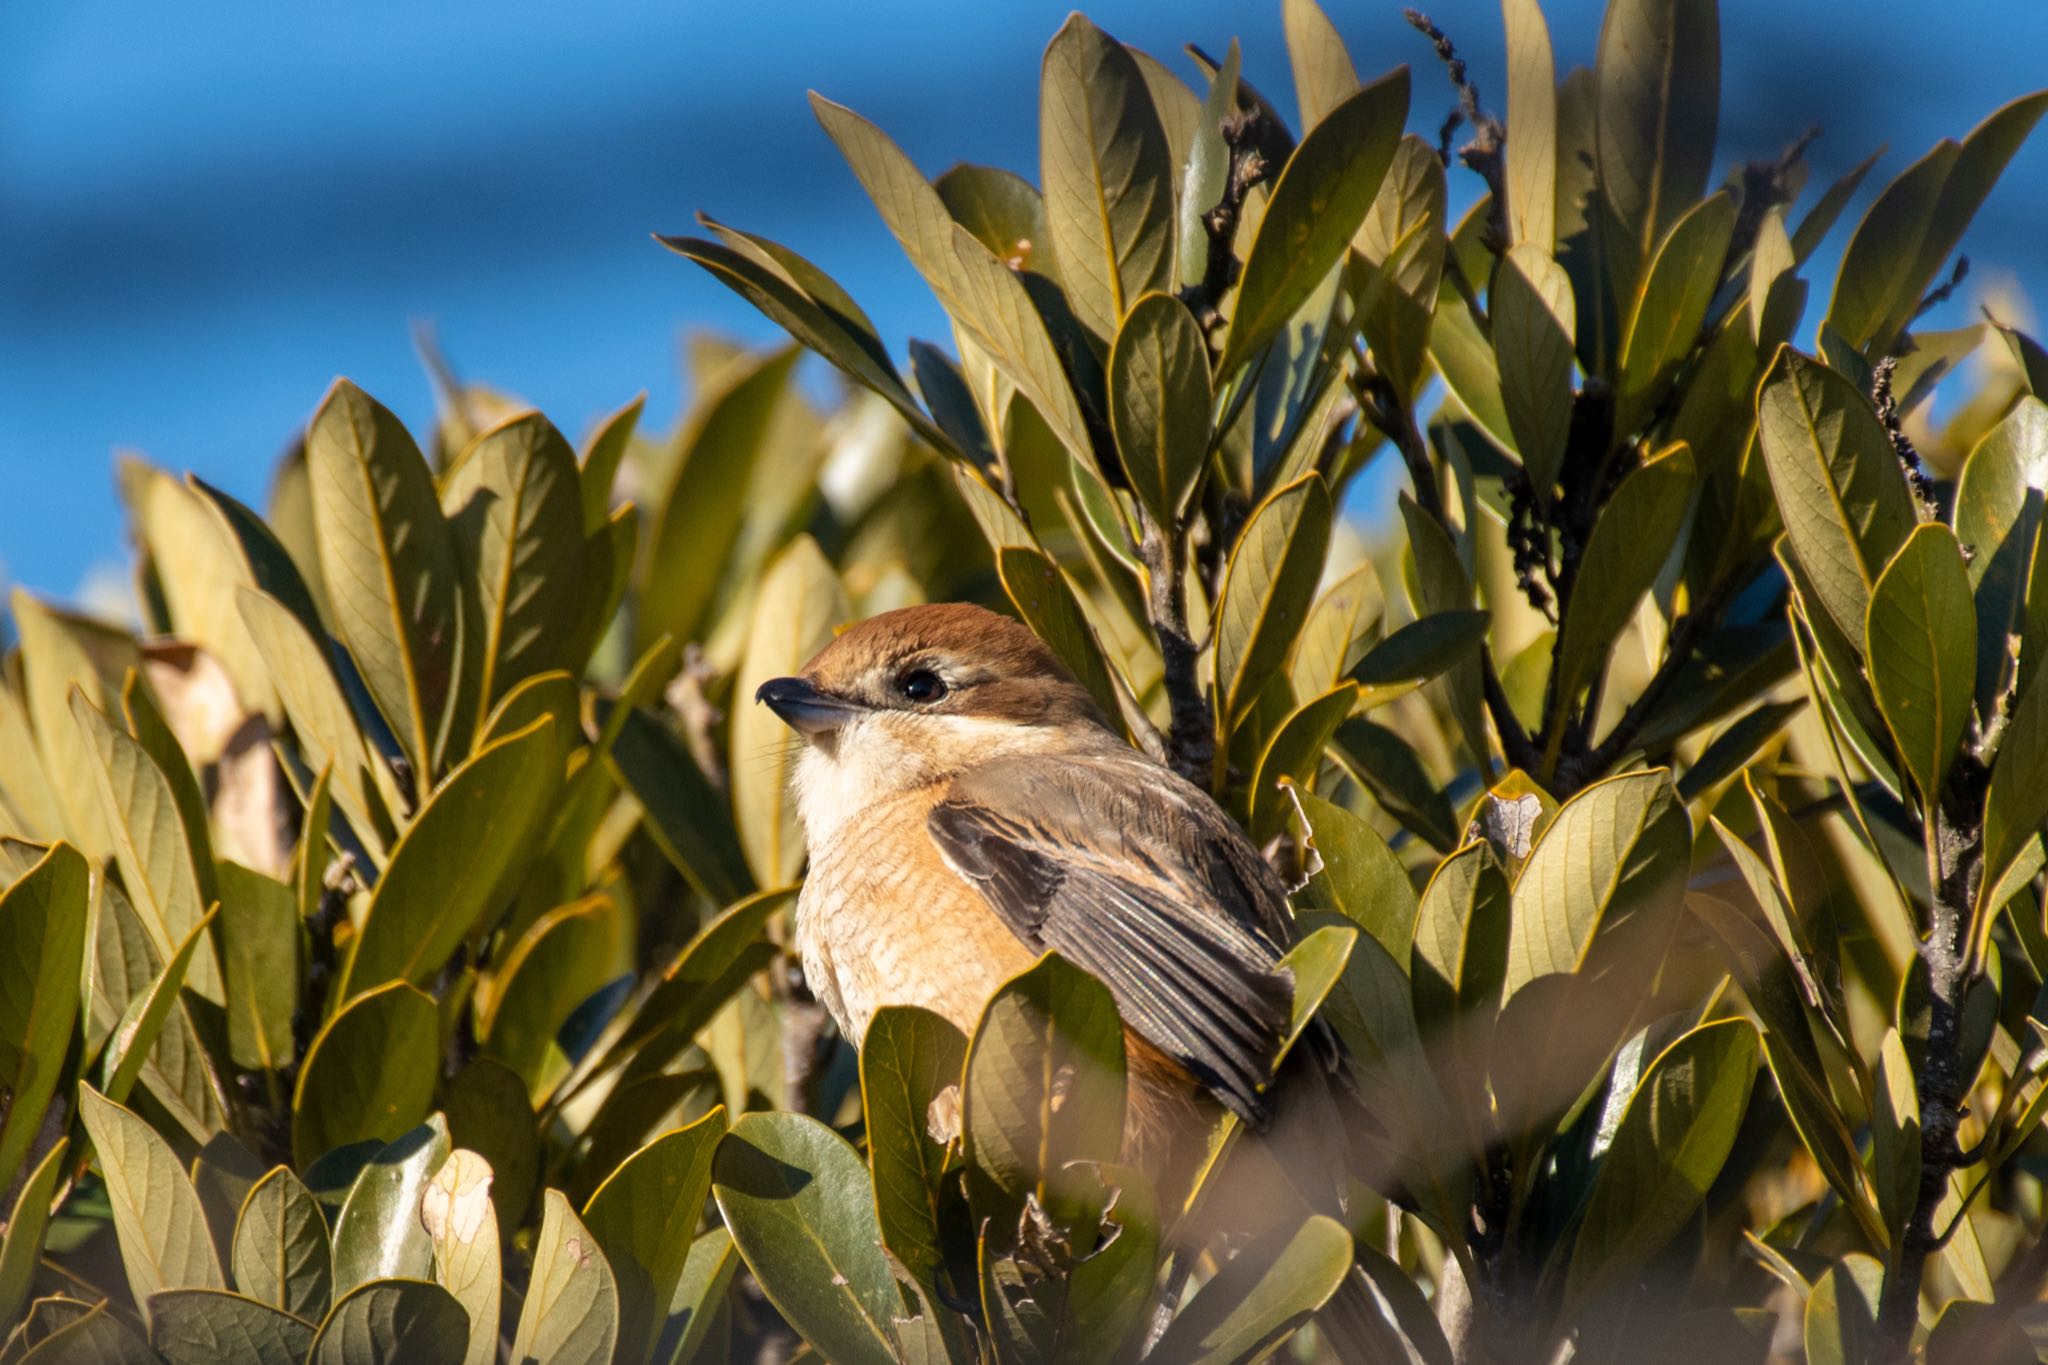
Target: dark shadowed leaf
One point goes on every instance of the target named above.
(1672, 1142)
(21, 1244)
(1628, 547)
(561, 960)
(1459, 957)
(259, 936)
(800, 1207)
(97, 1335)
(1039, 589)
(392, 1322)
(1379, 759)
(686, 816)
(43, 924)
(1895, 1136)
(1421, 650)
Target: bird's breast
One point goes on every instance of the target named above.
(883, 921)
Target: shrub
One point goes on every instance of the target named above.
(397, 926)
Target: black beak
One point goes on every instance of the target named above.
(804, 708)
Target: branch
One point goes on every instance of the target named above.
(1243, 135)
(1191, 730)
(1486, 153)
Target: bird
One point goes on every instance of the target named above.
(967, 807)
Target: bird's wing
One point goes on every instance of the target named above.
(1137, 877)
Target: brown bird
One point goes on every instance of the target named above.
(968, 807)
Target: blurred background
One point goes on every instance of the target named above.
(208, 212)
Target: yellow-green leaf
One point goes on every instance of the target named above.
(1159, 402)
(1921, 651)
(1534, 323)
(157, 1219)
(1267, 591)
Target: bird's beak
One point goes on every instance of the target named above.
(804, 708)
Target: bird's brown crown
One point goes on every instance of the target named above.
(978, 663)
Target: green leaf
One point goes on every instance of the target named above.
(157, 1219)
(391, 1322)
(729, 433)
(1110, 1292)
(209, 1326)
(1913, 225)
(1617, 853)
(602, 457)
(1459, 957)
(474, 833)
(1629, 545)
(369, 1073)
(149, 840)
(60, 651)
(390, 567)
(686, 816)
(1340, 628)
(700, 979)
(700, 1297)
(999, 314)
(1968, 1332)
(1267, 591)
(1775, 293)
(1004, 211)
(1806, 239)
(1998, 514)
(1107, 175)
(456, 1213)
(1664, 326)
(42, 948)
(1044, 1089)
(2017, 804)
(800, 1207)
(1677, 1132)
(1895, 1136)
(1534, 322)
(1841, 1312)
(1386, 765)
(800, 601)
(322, 721)
(1261, 1295)
(143, 1021)
(1532, 113)
(1465, 359)
(643, 1218)
(1921, 648)
(1323, 74)
(21, 1241)
(379, 1235)
(1294, 756)
(1360, 877)
(97, 1335)
(571, 1316)
(280, 1249)
(1423, 649)
(1160, 397)
(562, 959)
(259, 936)
(1845, 503)
(488, 1113)
(1038, 588)
(1658, 95)
(1205, 168)
(908, 1057)
(1322, 196)
(200, 565)
(514, 504)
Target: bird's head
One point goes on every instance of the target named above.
(913, 696)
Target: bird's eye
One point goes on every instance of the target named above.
(921, 685)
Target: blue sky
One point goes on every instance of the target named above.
(207, 212)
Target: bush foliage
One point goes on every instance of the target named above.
(396, 927)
